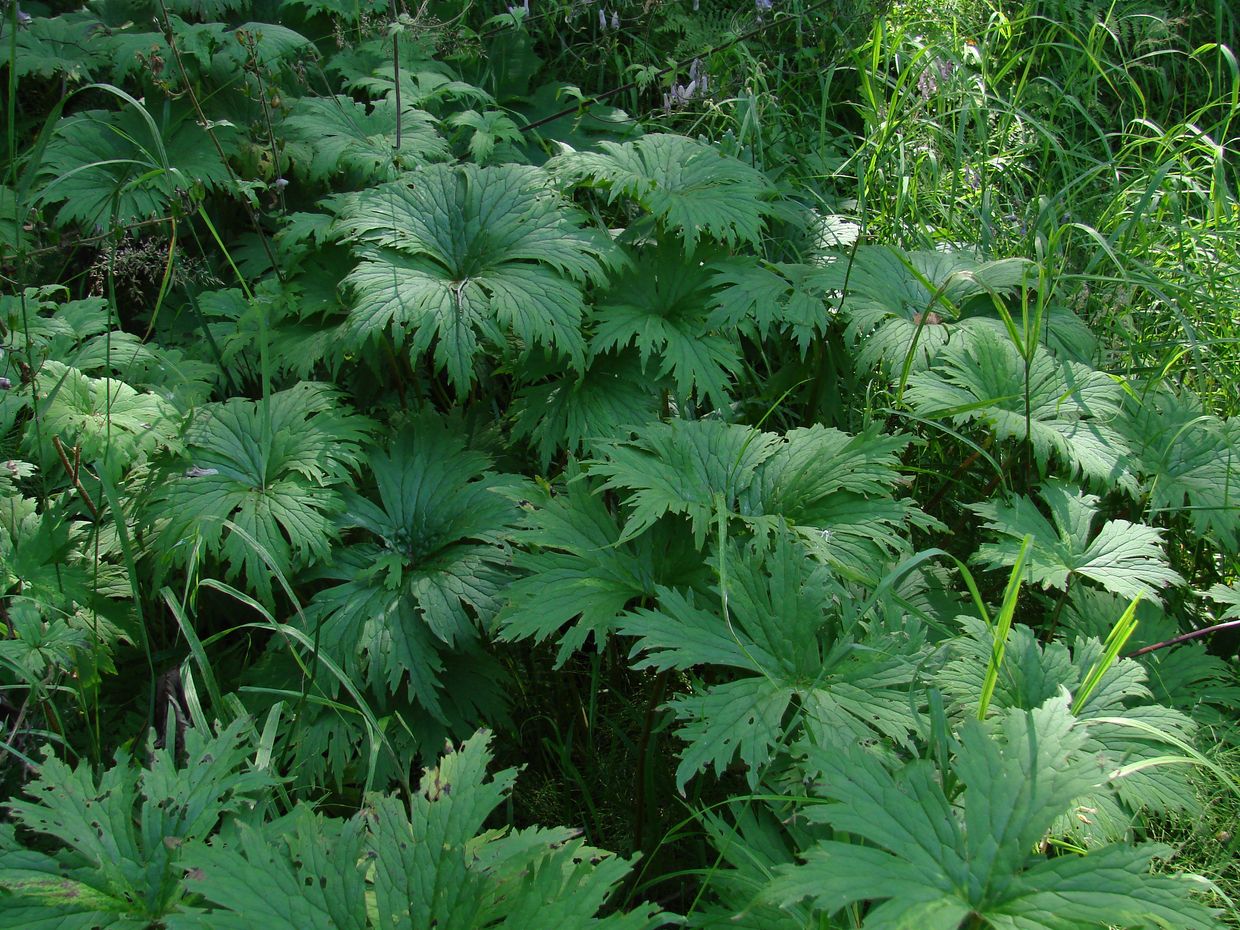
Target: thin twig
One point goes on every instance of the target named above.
(99, 237)
(72, 472)
(396, 68)
(1184, 638)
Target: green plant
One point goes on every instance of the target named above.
(820, 477)
(981, 862)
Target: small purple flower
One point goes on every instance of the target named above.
(615, 21)
(602, 19)
(24, 18)
(5, 384)
(763, 6)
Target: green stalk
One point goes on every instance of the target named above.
(1003, 624)
(1118, 637)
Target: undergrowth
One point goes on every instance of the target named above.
(789, 446)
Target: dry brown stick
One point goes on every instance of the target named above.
(1184, 638)
(72, 472)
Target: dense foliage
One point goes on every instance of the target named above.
(789, 445)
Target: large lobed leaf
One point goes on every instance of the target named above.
(273, 469)
(457, 256)
(835, 489)
(1125, 558)
(660, 308)
(122, 835)
(690, 187)
(338, 135)
(1061, 408)
(431, 570)
(1138, 736)
(933, 863)
(431, 864)
(784, 629)
(1188, 461)
(116, 168)
(581, 577)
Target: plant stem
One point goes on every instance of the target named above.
(1184, 638)
(643, 747)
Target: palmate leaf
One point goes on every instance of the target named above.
(63, 45)
(392, 868)
(434, 569)
(751, 841)
(764, 297)
(1125, 558)
(206, 47)
(689, 187)
(1063, 409)
(660, 308)
(273, 468)
(833, 488)
(575, 412)
(132, 53)
(786, 636)
(334, 135)
(121, 836)
(428, 85)
(697, 468)
(457, 255)
(581, 577)
(43, 325)
(205, 9)
(1229, 596)
(329, 744)
(106, 419)
(41, 559)
(934, 863)
(35, 647)
(101, 165)
(1188, 461)
(898, 302)
(492, 137)
(836, 490)
(1032, 674)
